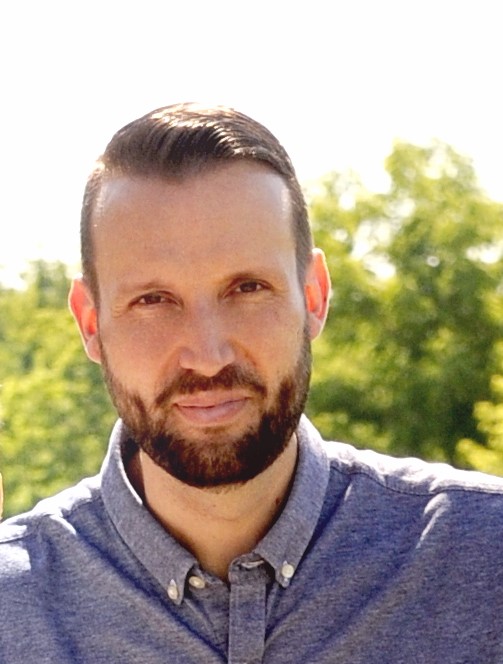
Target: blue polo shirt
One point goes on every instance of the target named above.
(373, 560)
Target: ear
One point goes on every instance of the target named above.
(317, 292)
(83, 308)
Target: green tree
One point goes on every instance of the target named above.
(407, 355)
(487, 457)
(55, 414)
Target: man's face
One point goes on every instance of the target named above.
(202, 331)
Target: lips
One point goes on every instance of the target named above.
(211, 408)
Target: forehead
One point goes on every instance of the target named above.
(237, 211)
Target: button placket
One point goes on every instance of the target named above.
(247, 611)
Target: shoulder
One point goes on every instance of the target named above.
(408, 475)
(414, 512)
(48, 524)
(432, 498)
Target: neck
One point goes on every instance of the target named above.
(216, 525)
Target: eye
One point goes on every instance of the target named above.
(249, 287)
(151, 299)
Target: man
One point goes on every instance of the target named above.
(221, 528)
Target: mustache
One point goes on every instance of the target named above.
(230, 376)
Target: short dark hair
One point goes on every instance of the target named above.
(177, 141)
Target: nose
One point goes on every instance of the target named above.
(205, 346)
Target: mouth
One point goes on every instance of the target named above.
(211, 408)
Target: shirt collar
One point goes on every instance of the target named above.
(282, 547)
(158, 552)
(286, 542)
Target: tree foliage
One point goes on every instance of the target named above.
(416, 313)
(54, 412)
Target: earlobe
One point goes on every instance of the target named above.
(317, 292)
(83, 308)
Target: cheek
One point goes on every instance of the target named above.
(277, 340)
(135, 353)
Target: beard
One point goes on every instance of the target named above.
(215, 458)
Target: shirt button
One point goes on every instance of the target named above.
(197, 582)
(172, 591)
(287, 571)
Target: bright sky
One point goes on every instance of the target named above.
(336, 80)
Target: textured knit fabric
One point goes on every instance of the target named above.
(373, 560)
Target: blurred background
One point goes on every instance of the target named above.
(391, 112)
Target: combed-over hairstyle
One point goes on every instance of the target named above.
(181, 140)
